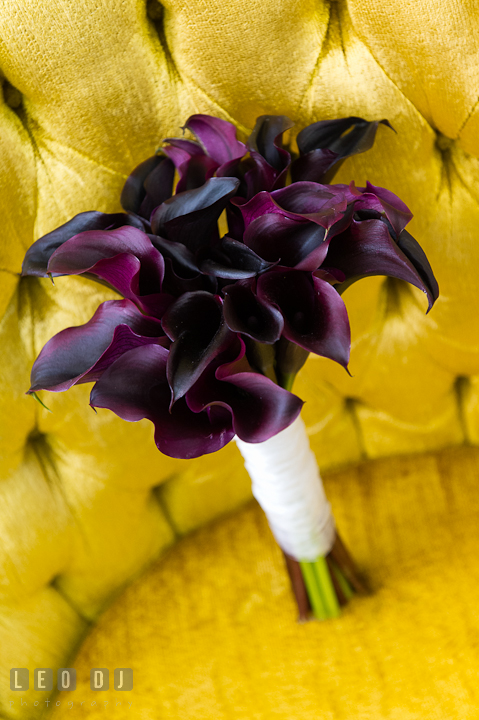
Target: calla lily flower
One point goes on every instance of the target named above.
(150, 184)
(38, 255)
(227, 399)
(315, 317)
(124, 258)
(370, 246)
(81, 354)
(324, 146)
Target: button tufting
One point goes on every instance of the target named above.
(154, 10)
(12, 96)
(443, 142)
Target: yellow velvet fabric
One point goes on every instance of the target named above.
(210, 630)
(89, 90)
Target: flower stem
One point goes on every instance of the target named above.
(314, 590)
(287, 381)
(298, 587)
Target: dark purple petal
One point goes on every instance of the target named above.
(301, 201)
(195, 172)
(150, 184)
(233, 260)
(260, 204)
(195, 325)
(253, 172)
(136, 387)
(125, 258)
(314, 314)
(79, 354)
(292, 243)
(346, 136)
(367, 248)
(313, 166)
(416, 255)
(192, 216)
(177, 284)
(266, 139)
(183, 259)
(38, 255)
(382, 200)
(245, 313)
(259, 407)
(180, 150)
(318, 203)
(218, 137)
(259, 176)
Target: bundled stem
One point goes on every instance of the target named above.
(321, 586)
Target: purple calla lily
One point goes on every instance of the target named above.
(315, 317)
(123, 258)
(227, 399)
(218, 138)
(136, 387)
(259, 408)
(38, 255)
(81, 354)
(194, 324)
(150, 184)
(367, 248)
(246, 313)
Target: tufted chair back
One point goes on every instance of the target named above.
(89, 90)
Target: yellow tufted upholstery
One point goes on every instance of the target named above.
(90, 88)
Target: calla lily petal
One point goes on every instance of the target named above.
(416, 255)
(233, 260)
(303, 201)
(266, 140)
(346, 136)
(383, 200)
(136, 387)
(367, 248)
(180, 150)
(150, 184)
(245, 313)
(183, 259)
(292, 243)
(314, 166)
(218, 137)
(194, 323)
(80, 354)
(125, 258)
(190, 217)
(259, 407)
(314, 314)
(176, 284)
(195, 172)
(38, 255)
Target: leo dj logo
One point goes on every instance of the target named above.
(67, 679)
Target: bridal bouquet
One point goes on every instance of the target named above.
(214, 325)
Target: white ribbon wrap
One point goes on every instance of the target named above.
(287, 484)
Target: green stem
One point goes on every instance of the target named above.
(327, 587)
(342, 582)
(314, 592)
(287, 381)
(320, 588)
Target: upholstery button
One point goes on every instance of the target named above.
(443, 143)
(12, 96)
(154, 10)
